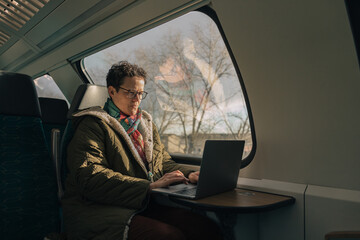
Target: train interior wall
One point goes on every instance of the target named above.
(301, 73)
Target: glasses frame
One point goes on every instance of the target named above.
(132, 94)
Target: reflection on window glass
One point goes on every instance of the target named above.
(194, 91)
(46, 87)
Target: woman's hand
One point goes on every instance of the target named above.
(169, 178)
(194, 177)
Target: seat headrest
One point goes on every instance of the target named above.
(18, 95)
(88, 95)
(53, 110)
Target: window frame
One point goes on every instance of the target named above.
(212, 14)
(186, 158)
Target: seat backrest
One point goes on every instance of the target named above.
(53, 112)
(87, 95)
(28, 200)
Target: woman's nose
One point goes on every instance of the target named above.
(137, 98)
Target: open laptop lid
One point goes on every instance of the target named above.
(220, 166)
(219, 170)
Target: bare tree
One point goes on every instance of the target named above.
(191, 81)
(184, 75)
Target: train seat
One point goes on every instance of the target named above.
(87, 95)
(53, 112)
(28, 202)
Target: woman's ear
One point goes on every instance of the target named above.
(111, 91)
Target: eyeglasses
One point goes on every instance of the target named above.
(132, 94)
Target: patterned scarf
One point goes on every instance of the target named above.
(130, 124)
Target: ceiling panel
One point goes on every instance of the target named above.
(4, 37)
(16, 13)
(64, 14)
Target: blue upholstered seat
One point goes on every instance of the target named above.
(28, 192)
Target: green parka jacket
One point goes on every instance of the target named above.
(107, 182)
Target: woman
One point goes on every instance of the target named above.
(115, 159)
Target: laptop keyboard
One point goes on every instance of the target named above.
(188, 191)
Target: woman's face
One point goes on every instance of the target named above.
(127, 105)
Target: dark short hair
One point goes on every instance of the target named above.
(119, 71)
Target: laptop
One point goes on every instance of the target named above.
(219, 171)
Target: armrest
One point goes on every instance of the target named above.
(342, 234)
(55, 155)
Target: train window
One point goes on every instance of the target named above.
(46, 87)
(194, 89)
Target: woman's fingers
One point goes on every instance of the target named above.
(177, 172)
(169, 178)
(194, 177)
(172, 177)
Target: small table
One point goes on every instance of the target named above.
(227, 205)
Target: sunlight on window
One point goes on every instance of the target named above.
(46, 87)
(194, 91)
